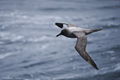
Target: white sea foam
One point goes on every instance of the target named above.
(2, 56)
(17, 38)
(110, 52)
(39, 39)
(117, 67)
(9, 36)
(44, 46)
(46, 38)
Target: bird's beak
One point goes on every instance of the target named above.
(58, 35)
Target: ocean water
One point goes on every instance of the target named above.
(29, 49)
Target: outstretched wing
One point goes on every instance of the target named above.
(81, 46)
(61, 25)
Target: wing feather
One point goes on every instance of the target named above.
(60, 25)
(81, 48)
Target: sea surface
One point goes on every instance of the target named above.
(30, 50)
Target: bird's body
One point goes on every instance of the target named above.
(71, 30)
(75, 32)
(69, 33)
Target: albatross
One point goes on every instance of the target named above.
(73, 31)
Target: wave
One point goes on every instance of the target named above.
(26, 21)
(34, 64)
(27, 76)
(36, 76)
(2, 27)
(110, 7)
(10, 39)
(105, 76)
(57, 9)
(116, 47)
(40, 39)
(117, 67)
(2, 56)
(110, 19)
(7, 38)
(110, 26)
(22, 20)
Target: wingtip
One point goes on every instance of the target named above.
(96, 68)
(59, 24)
(56, 23)
(93, 64)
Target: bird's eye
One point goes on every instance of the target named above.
(63, 31)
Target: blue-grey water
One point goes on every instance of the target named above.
(29, 49)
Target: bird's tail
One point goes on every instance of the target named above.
(92, 30)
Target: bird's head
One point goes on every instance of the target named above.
(63, 32)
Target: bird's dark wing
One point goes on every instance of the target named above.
(60, 25)
(81, 48)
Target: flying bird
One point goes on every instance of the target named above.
(73, 31)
